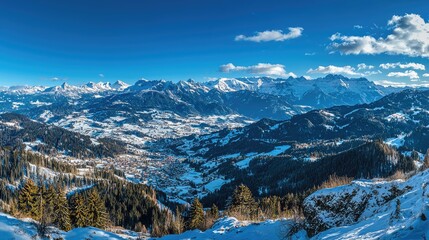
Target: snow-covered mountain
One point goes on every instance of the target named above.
(389, 117)
(255, 98)
(67, 89)
(120, 85)
(271, 148)
(88, 88)
(23, 89)
(327, 91)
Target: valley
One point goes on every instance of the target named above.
(153, 127)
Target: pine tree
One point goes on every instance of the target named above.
(38, 211)
(196, 215)
(26, 197)
(50, 196)
(156, 229)
(214, 211)
(178, 222)
(97, 214)
(211, 217)
(61, 212)
(79, 211)
(243, 205)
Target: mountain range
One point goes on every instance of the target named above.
(251, 97)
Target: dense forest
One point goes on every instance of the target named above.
(285, 175)
(26, 190)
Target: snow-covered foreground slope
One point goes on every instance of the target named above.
(231, 228)
(17, 229)
(361, 210)
(367, 210)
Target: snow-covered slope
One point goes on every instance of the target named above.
(367, 210)
(231, 228)
(24, 229)
(89, 88)
(68, 90)
(322, 92)
(360, 210)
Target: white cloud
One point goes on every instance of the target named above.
(368, 73)
(272, 35)
(409, 36)
(409, 73)
(416, 66)
(388, 83)
(331, 69)
(101, 75)
(55, 79)
(310, 54)
(363, 66)
(260, 68)
(211, 78)
(358, 26)
(347, 70)
(426, 75)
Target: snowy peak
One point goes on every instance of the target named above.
(338, 89)
(144, 84)
(120, 85)
(254, 97)
(101, 86)
(88, 88)
(23, 89)
(192, 86)
(230, 85)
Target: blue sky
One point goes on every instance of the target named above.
(80, 41)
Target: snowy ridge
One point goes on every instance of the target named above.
(360, 210)
(231, 228)
(24, 229)
(67, 89)
(298, 87)
(366, 210)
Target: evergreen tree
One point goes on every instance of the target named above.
(243, 205)
(49, 198)
(214, 211)
(26, 197)
(156, 225)
(211, 216)
(178, 222)
(61, 212)
(97, 214)
(38, 211)
(196, 215)
(79, 211)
